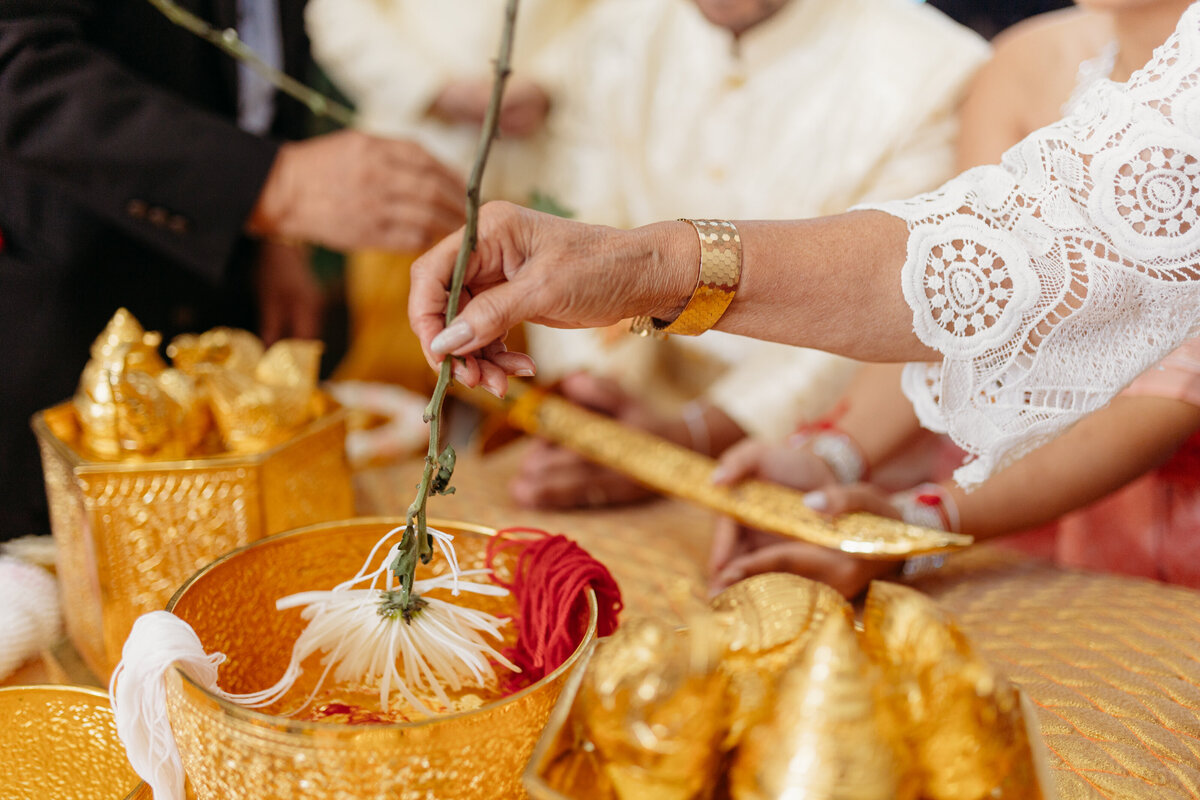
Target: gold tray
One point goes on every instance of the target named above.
(129, 534)
(557, 739)
(61, 742)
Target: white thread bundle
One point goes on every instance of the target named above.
(29, 613)
(443, 645)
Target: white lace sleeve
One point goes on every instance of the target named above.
(1050, 281)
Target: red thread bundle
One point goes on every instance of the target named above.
(549, 583)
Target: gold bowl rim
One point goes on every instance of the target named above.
(301, 726)
(82, 464)
(70, 688)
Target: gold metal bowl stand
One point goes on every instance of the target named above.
(61, 742)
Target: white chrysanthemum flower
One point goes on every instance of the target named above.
(368, 640)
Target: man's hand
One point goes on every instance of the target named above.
(290, 300)
(523, 108)
(349, 191)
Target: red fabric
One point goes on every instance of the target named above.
(550, 579)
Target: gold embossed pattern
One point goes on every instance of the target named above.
(229, 751)
(129, 535)
(60, 742)
(1112, 664)
(669, 468)
(720, 272)
(717, 282)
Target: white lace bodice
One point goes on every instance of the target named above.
(1052, 280)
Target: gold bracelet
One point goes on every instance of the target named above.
(717, 283)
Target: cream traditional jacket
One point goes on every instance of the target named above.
(393, 57)
(660, 114)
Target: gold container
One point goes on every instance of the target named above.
(230, 751)
(61, 742)
(129, 534)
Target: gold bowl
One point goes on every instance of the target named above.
(230, 751)
(61, 741)
(128, 534)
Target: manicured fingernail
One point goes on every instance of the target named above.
(494, 392)
(817, 501)
(524, 373)
(453, 337)
(730, 576)
(720, 474)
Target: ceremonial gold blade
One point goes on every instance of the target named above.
(674, 470)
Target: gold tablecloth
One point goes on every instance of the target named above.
(1112, 663)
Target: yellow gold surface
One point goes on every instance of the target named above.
(836, 724)
(60, 742)
(766, 622)
(670, 468)
(129, 534)
(653, 705)
(831, 734)
(720, 273)
(229, 751)
(961, 715)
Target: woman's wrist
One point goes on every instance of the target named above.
(670, 258)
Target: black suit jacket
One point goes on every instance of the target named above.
(124, 180)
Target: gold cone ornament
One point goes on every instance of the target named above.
(962, 718)
(831, 735)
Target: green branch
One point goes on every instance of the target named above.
(417, 544)
(228, 41)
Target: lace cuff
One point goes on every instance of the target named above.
(1052, 280)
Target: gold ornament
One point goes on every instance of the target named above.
(767, 621)
(675, 470)
(652, 704)
(831, 734)
(963, 719)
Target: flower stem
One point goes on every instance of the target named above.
(417, 544)
(228, 41)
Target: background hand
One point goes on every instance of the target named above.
(754, 555)
(523, 108)
(349, 190)
(554, 477)
(738, 551)
(788, 464)
(290, 300)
